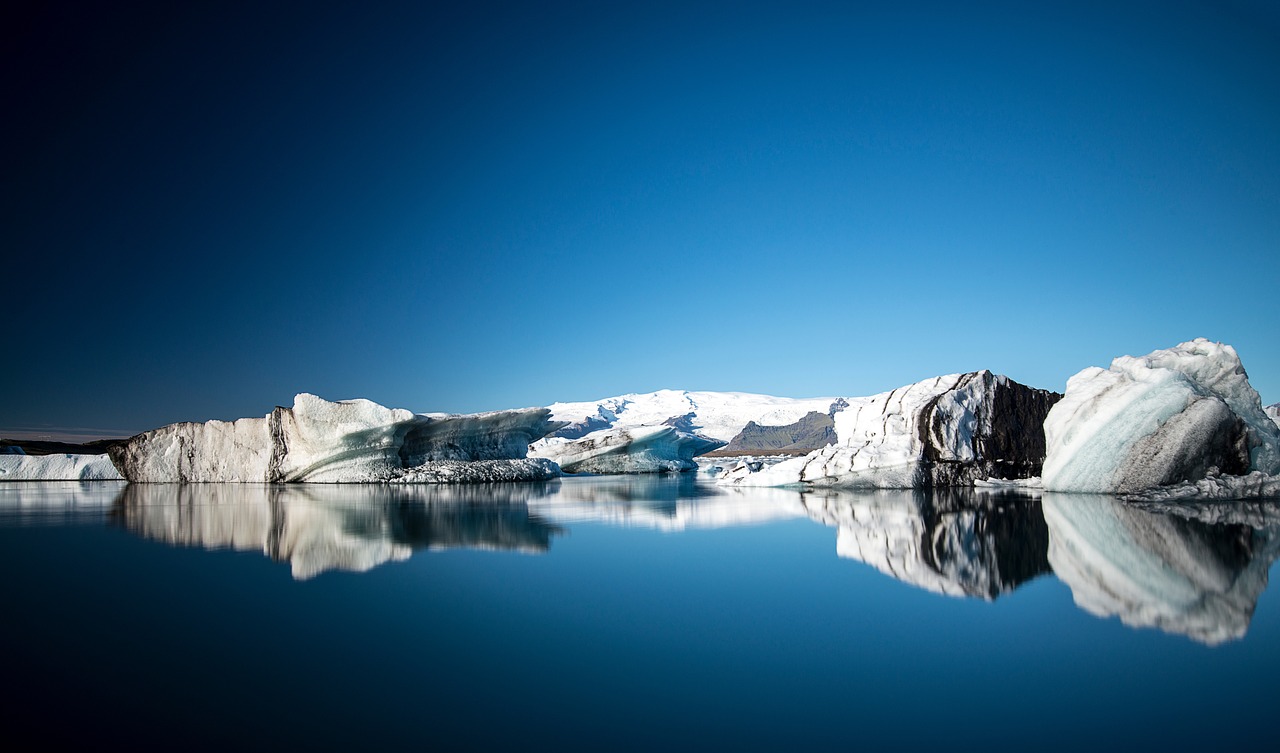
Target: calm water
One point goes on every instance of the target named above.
(634, 613)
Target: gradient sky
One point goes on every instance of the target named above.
(470, 206)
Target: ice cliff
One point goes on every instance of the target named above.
(1178, 415)
(640, 449)
(951, 430)
(350, 441)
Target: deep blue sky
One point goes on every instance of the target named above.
(208, 209)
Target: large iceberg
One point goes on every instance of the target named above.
(1168, 417)
(951, 430)
(60, 467)
(350, 441)
(640, 449)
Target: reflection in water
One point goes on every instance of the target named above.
(670, 503)
(1158, 570)
(1194, 570)
(26, 503)
(336, 527)
(951, 542)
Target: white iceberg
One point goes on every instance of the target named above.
(640, 449)
(59, 467)
(951, 430)
(350, 441)
(1160, 419)
(1273, 411)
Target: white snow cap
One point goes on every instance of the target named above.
(1162, 418)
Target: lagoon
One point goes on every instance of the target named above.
(630, 612)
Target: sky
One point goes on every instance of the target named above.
(209, 207)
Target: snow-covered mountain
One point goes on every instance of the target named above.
(665, 430)
(717, 415)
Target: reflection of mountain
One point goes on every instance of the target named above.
(952, 542)
(668, 503)
(1174, 573)
(321, 527)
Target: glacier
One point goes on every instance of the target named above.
(1178, 415)
(350, 441)
(951, 430)
(715, 415)
(60, 467)
(1156, 570)
(639, 449)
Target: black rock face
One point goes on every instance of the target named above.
(1009, 442)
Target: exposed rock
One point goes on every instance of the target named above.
(812, 431)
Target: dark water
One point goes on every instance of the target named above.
(630, 613)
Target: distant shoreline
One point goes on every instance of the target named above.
(46, 447)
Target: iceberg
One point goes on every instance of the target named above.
(1169, 417)
(1151, 570)
(640, 449)
(1273, 411)
(351, 441)
(60, 467)
(951, 430)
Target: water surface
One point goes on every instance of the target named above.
(632, 613)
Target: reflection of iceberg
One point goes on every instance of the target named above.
(667, 503)
(319, 528)
(56, 501)
(951, 542)
(1180, 575)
